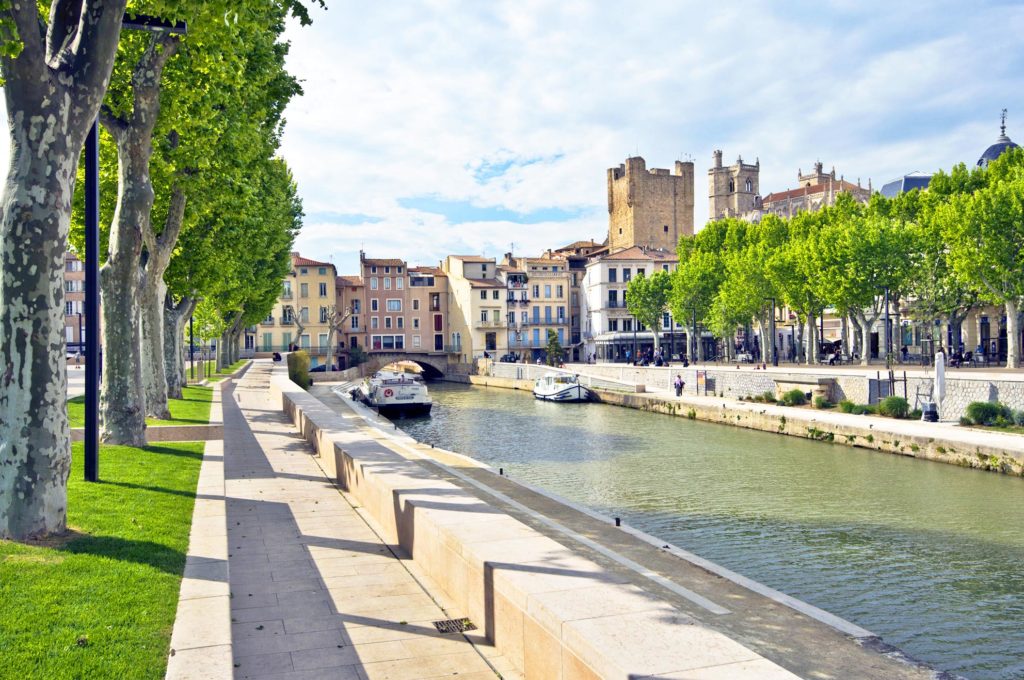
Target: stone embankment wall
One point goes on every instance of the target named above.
(551, 612)
(728, 381)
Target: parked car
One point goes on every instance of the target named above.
(509, 358)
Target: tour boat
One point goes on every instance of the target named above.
(560, 387)
(396, 393)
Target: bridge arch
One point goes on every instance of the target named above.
(434, 366)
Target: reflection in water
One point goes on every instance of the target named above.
(929, 556)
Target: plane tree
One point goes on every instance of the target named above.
(647, 300)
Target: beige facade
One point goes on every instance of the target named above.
(651, 208)
(302, 315)
(477, 307)
(816, 190)
(74, 303)
(733, 191)
(539, 298)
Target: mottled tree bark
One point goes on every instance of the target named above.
(812, 340)
(175, 316)
(154, 292)
(1012, 334)
(124, 394)
(53, 90)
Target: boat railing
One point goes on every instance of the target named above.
(534, 371)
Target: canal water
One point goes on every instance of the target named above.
(929, 556)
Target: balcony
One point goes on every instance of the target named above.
(453, 349)
(489, 324)
(286, 295)
(269, 321)
(613, 304)
(287, 321)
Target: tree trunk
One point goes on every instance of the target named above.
(798, 339)
(175, 316)
(865, 323)
(53, 90)
(698, 347)
(812, 340)
(1012, 335)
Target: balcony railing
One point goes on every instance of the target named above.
(490, 324)
(612, 304)
(287, 321)
(267, 322)
(453, 349)
(287, 295)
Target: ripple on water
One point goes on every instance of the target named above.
(929, 556)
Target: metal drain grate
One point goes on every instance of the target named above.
(454, 626)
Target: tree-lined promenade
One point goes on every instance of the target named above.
(197, 212)
(937, 254)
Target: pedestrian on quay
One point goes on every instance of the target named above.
(679, 385)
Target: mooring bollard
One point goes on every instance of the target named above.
(501, 471)
(618, 522)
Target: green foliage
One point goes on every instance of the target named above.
(298, 368)
(647, 299)
(794, 397)
(192, 409)
(554, 349)
(915, 415)
(847, 406)
(822, 402)
(357, 356)
(102, 605)
(1018, 418)
(988, 413)
(894, 407)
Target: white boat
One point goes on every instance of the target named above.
(396, 393)
(560, 387)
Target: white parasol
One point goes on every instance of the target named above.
(939, 388)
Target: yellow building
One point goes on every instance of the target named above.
(542, 302)
(477, 308)
(303, 312)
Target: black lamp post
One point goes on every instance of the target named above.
(775, 348)
(92, 266)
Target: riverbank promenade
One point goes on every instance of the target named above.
(314, 591)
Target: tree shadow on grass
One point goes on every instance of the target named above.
(172, 451)
(156, 555)
(143, 487)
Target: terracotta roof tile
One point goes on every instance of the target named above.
(348, 280)
(837, 186)
(384, 261)
(299, 261)
(638, 253)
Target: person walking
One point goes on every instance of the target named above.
(679, 385)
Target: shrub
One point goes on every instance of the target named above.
(298, 368)
(822, 402)
(847, 406)
(986, 412)
(964, 420)
(915, 414)
(795, 397)
(894, 407)
(1018, 418)
(769, 397)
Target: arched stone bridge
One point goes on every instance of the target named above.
(433, 365)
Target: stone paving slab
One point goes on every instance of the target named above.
(314, 591)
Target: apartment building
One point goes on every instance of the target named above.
(547, 286)
(351, 300)
(609, 330)
(477, 308)
(428, 309)
(304, 310)
(74, 303)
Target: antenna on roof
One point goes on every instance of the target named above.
(1002, 126)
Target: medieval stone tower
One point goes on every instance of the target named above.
(732, 190)
(650, 208)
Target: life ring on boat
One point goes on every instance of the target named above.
(389, 392)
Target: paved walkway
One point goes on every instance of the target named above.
(315, 593)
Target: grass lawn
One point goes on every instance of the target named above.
(217, 376)
(192, 409)
(102, 604)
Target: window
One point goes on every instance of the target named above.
(495, 294)
(387, 283)
(304, 341)
(561, 315)
(547, 290)
(415, 305)
(438, 343)
(322, 271)
(303, 290)
(374, 305)
(732, 186)
(373, 269)
(749, 186)
(394, 305)
(536, 291)
(666, 228)
(354, 323)
(664, 267)
(304, 315)
(525, 317)
(438, 322)
(641, 271)
(483, 295)
(483, 315)
(559, 291)
(323, 314)
(355, 306)
(613, 298)
(415, 322)
(286, 315)
(401, 322)
(374, 322)
(613, 325)
(373, 283)
(68, 309)
(613, 275)
(626, 274)
(322, 339)
(387, 270)
(398, 269)
(304, 270)
(387, 342)
(323, 290)
(399, 282)
(387, 322)
(268, 342)
(627, 325)
(286, 340)
(415, 341)
(547, 314)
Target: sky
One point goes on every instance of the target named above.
(439, 127)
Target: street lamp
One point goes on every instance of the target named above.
(775, 348)
(92, 267)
